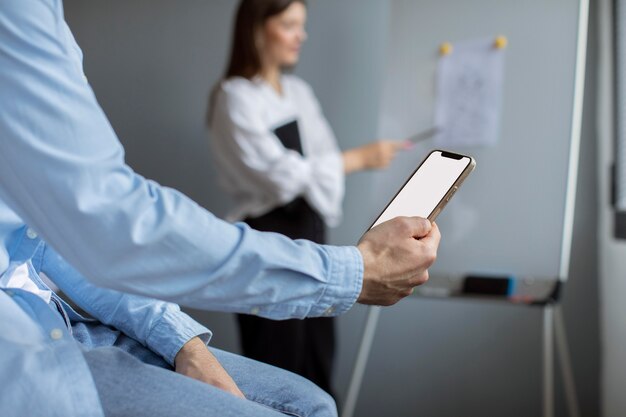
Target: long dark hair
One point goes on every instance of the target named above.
(245, 59)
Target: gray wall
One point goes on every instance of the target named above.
(152, 63)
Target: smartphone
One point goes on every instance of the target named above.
(430, 186)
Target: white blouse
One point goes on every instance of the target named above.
(254, 167)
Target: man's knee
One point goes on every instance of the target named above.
(277, 388)
(325, 404)
(312, 401)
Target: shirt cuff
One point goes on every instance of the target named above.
(344, 285)
(173, 330)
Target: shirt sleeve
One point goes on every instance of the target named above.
(63, 172)
(159, 325)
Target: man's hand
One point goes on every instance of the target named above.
(396, 257)
(196, 361)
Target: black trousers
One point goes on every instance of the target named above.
(305, 347)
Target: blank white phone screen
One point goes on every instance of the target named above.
(428, 185)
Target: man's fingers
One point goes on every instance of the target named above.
(419, 279)
(237, 393)
(433, 237)
(418, 227)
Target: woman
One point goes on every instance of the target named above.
(278, 158)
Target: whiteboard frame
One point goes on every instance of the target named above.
(576, 128)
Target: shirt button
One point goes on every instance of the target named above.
(255, 310)
(56, 334)
(31, 234)
(329, 311)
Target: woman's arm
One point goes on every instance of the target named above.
(375, 155)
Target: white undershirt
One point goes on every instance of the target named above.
(20, 278)
(255, 169)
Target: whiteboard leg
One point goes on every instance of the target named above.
(361, 361)
(548, 361)
(565, 363)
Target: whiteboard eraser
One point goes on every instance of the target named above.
(489, 285)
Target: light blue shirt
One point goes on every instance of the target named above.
(62, 173)
(159, 325)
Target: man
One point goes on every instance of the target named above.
(136, 331)
(63, 179)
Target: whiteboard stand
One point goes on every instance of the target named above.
(553, 326)
(554, 332)
(565, 363)
(545, 292)
(548, 361)
(373, 313)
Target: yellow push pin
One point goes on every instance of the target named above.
(501, 42)
(445, 48)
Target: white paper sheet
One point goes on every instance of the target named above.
(469, 91)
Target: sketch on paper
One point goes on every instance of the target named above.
(469, 90)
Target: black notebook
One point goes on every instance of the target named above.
(289, 135)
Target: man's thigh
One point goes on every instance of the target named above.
(264, 384)
(128, 387)
(277, 388)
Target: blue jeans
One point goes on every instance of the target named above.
(132, 381)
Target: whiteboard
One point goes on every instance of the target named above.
(513, 214)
